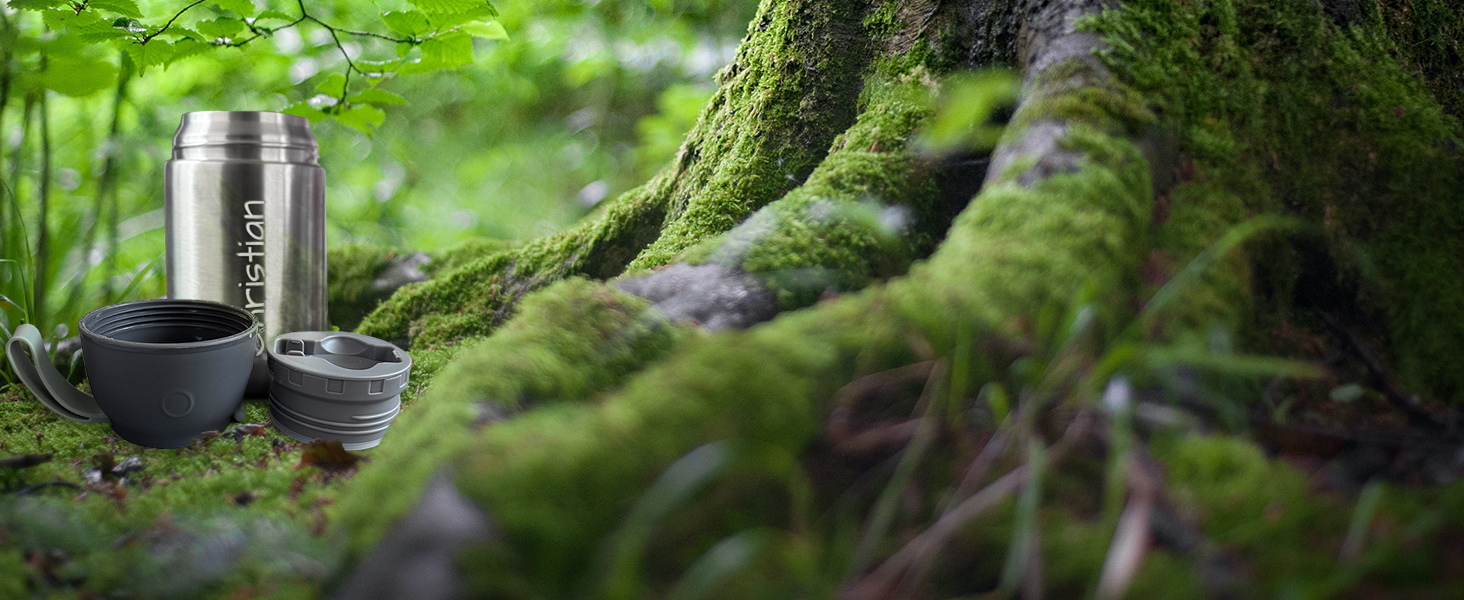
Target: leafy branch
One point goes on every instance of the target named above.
(441, 30)
(147, 38)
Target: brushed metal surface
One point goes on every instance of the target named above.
(244, 199)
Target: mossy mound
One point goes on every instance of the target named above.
(1292, 114)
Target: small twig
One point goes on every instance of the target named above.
(905, 569)
(919, 551)
(259, 32)
(1385, 382)
(976, 471)
(25, 491)
(371, 34)
(883, 437)
(305, 15)
(147, 38)
(868, 384)
(885, 506)
(23, 461)
(1132, 537)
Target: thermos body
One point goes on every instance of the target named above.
(244, 198)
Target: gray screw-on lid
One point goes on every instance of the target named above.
(338, 366)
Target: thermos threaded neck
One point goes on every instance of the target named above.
(245, 135)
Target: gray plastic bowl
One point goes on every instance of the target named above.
(165, 371)
(336, 386)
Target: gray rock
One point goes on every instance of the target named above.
(416, 558)
(402, 271)
(713, 296)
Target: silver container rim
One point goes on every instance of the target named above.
(275, 130)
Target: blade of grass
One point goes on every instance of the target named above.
(674, 488)
(715, 568)
(1024, 530)
(138, 278)
(1233, 364)
(42, 257)
(913, 561)
(1362, 518)
(1195, 271)
(885, 506)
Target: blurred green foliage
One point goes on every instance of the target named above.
(439, 121)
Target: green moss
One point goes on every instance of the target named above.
(1429, 37)
(1074, 90)
(770, 122)
(571, 342)
(1197, 214)
(476, 297)
(557, 479)
(352, 269)
(195, 489)
(1295, 115)
(791, 89)
(1015, 248)
(464, 253)
(862, 216)
(1289, 535)
(556, 496)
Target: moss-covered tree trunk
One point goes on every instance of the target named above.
(1183, 188)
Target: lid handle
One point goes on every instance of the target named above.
(38, 374)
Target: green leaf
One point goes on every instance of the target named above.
(363, 118)
(126, 8)
(1347, 393)
(35, 4)
(333, 86)
(274, 14)
(155, 52)
(243, 8)
(303, 109)
(444, 21)
(59, 19)
(402, 48)
(128, 66)
(221, 27)
(409, 23)
(72, 20)
(375, 65)
(75, 76)
(492, 30)
(966, 107)
(101, 30)
(448, 51)
(449, 7)
(675, 488)
(375, 96)
(188, 47)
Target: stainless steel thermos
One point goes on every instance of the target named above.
(244, 199)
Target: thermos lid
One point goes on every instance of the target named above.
(336, 385)
(345, 365)
(237, 134)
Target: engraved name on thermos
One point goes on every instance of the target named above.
(252, 247)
